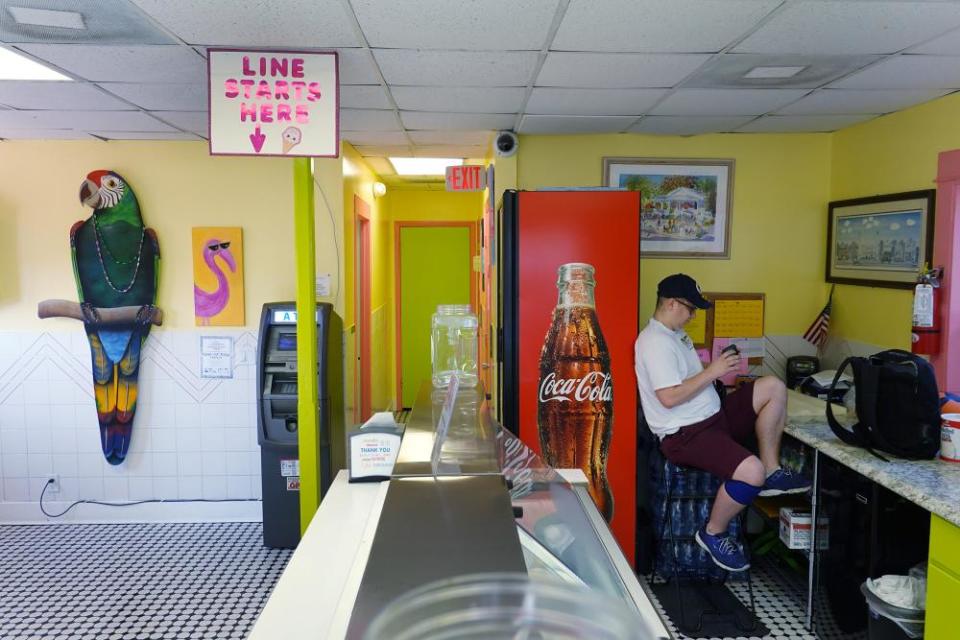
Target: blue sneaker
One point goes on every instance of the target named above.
(723, 550)
(784, 481)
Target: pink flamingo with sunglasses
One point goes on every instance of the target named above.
(207, 304)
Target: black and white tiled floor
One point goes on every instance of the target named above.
(134, 581)
(780, 607)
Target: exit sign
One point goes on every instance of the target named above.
(466, 177)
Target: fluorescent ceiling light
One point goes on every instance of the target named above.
(773, 72)
(47, 18)
(14, 66)
(423, 166)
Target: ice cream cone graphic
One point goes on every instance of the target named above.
(291, 138)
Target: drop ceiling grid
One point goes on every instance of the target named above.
(563, 65)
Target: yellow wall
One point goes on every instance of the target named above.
(419, 204)
(358, 181)
(179, 185)
(328, 212)
(780, 190)
(894, 153)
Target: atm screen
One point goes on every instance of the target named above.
(287, 342)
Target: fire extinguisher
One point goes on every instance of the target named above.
(927, 304)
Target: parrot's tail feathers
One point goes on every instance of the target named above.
(126, 398)
(115, 440)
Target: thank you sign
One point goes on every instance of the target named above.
(273, 103)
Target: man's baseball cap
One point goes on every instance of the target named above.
(680, 285)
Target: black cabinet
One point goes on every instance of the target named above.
(872, 532)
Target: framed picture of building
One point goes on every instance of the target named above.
(686, 203)
(880, 241)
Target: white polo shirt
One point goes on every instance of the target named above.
(664, 358)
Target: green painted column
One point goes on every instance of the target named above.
(307, 392)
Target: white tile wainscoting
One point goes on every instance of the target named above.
(192, 437)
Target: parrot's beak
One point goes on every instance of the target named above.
(228, 258)
(90, 194)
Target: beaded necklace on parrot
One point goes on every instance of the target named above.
(115, 263)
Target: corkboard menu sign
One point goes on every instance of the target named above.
(733, 315)
(738, 318)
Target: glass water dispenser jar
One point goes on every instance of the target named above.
(453, 345)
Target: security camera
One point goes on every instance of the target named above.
(505, 144)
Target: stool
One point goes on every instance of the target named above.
(673, 474)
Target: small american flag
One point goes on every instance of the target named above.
(817, 333)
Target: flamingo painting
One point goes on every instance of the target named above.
(209, 305)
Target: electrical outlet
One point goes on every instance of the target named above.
(53, 483)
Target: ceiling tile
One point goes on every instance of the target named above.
(688, 125)
(463, 121)
(368, 120)
(906, 72)
(616, 70)
(161, 96)
(158, 63)
(945, 45)
(491, 24)
(24, 94)
(592, 102)
(105, 22)
(192, 121)
(828, 27)
(574, 124)
(728, 70)
(450, 151)
(368, 96)
(248, 23)
(83, 120)
(456, 68)
(725, 102)
(797, 124)
(848, 101)
(657, 25)
(460, 99)
(356, 67)
(452, 137)
(145, 135)
(43, 134)
(374, 138)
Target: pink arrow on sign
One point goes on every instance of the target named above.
(257, 139)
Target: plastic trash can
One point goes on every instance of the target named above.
(887, 622)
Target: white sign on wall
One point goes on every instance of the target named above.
(216, 357)
(274, 103)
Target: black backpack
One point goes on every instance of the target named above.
(898, 405)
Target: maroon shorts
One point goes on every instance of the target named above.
(717, 443)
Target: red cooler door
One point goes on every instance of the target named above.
(581, 400)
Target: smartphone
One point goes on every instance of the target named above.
(730, 348)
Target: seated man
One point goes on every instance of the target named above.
(696, 429)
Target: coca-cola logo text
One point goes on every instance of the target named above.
(596, 386)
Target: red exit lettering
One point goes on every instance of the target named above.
(469, 177)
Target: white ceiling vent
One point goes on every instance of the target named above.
(736, 70)
(77, 21)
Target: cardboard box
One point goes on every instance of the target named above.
(795, 529)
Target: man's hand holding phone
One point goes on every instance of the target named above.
(727, 362)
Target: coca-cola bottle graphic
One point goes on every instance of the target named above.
(575, 405)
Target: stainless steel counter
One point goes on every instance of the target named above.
(470, 447)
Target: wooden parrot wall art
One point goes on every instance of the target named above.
(116, 265)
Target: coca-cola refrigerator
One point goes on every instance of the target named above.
(568, 310)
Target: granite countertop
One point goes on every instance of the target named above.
(931, 484)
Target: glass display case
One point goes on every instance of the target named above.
(562, 535)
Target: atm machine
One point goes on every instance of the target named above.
(277, 419)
